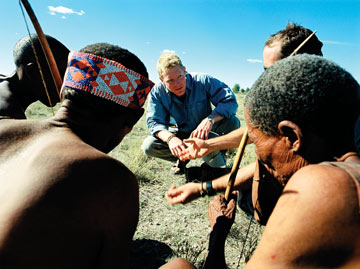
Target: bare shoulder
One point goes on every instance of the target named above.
(322, 182)
(313, 221)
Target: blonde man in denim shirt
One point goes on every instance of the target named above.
(180, 106)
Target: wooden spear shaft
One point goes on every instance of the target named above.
(302, 44)
(45, 46)
(236, 164)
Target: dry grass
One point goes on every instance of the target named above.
(166, 231)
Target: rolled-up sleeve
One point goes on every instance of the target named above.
(155, 113)
(222, 97)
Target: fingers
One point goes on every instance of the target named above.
(171, 195)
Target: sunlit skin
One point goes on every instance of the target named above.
(279, 153)
(272, 54)
(174, 79)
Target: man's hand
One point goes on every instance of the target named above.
(203, 129)
(176, 146)
(218, 208)
(183, 194)
(196, 148)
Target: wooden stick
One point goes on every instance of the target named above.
(236, 164)
(302, 44)
(45, 46)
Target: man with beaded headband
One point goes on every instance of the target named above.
(66, 203)
(290, 113)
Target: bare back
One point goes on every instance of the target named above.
(63, 204)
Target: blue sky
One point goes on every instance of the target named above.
(222, 38)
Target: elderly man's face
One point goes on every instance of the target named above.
(274, 152)
(175, 80)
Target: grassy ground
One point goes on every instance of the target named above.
(166, 231)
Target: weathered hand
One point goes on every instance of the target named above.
(183, 194)
(203, 129)
(219, 208)
(176, 146)
(196, 148)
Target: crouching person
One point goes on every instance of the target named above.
(65, 202)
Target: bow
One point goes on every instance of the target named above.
(46, 49)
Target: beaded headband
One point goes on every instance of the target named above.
(107, 79)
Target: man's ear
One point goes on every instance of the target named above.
(292, 133)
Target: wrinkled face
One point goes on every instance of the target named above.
(175, 80)
(275, 152)
(272, 54)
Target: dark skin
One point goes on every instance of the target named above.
(25, 86)
(315, 223)
(221, 217)
(67, 204)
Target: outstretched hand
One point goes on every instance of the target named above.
(203, 129)
(196, 148)
(183, 194)
(176, 146)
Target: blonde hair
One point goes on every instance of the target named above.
(168, 60)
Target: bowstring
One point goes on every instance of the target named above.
(246, 236)
(37, 60)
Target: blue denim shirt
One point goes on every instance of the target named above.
(165, 110)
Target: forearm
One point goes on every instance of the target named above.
(216, 251)
(242, 182)
(164, 135)
(228, 141)
(216, 255)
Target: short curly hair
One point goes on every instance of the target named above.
(23, 52)
(310, 91)
(291, 37)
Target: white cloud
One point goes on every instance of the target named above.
(63, 17)
(184, 52)
(330, 42)
(254, 61)
(64, 10)
(168, 51)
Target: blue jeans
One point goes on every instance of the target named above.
(155, 147)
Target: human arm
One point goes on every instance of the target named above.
(203, 129)
(221, 97)
(313, 224)
(191, 191)
(221, 217)
(198, 148)
(176, 145)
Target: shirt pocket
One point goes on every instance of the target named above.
(199, 110)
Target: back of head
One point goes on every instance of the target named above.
(23, 54)
(168, 60)
(291, 37)
(100, 90)
(117, 54)
(314, 93)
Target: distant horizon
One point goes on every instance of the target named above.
(223, 39)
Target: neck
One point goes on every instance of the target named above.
(94, 130)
